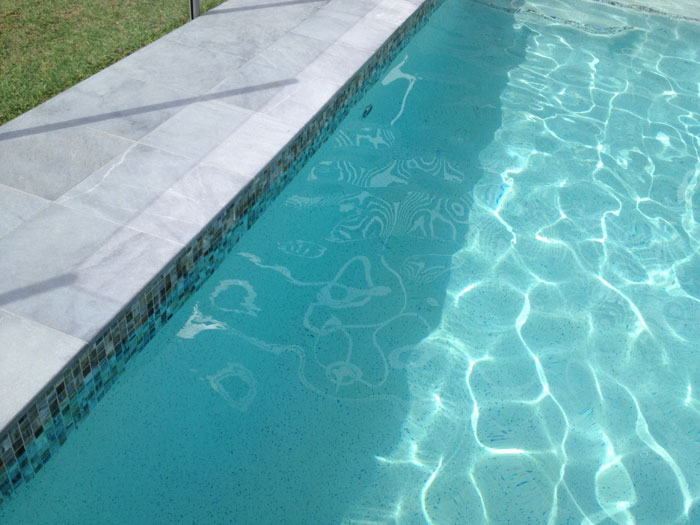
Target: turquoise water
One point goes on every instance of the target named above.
(479, 303)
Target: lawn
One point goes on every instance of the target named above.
(46, 46)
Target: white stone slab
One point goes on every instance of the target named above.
(32, 354)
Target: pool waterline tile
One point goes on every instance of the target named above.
(29, 440)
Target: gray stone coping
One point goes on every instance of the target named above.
(103, 185)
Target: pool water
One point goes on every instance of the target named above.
(479, 302)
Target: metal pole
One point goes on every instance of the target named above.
(194, 9)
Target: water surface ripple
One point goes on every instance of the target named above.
(478, 303)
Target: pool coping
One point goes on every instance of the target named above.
(72, 370)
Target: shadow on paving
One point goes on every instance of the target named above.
(91, 119)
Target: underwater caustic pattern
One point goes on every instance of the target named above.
(566, 365)
(536, 283)
(478, 303)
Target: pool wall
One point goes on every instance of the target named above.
(37, 432)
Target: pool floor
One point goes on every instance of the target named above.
(479, 302)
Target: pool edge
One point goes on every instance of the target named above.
(32, 436)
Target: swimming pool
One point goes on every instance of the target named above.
(478, 302)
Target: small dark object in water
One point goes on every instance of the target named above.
(367, 111)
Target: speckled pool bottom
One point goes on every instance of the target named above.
(477, 303)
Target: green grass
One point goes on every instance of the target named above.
(46, 46)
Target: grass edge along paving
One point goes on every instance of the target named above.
(47, 46)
